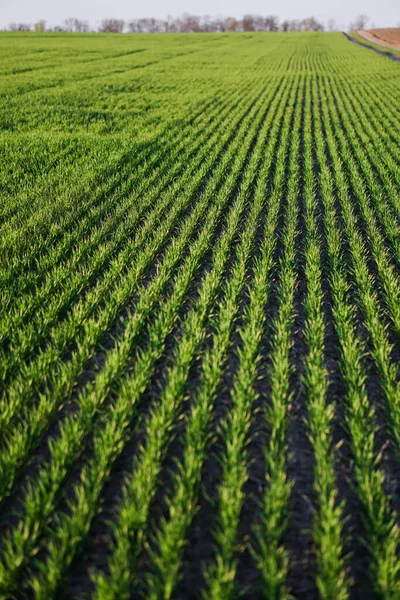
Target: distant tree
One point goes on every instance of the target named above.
(311, 24)
(226, 24)
(359, 23)
(112, 26)
(69, 24)
(169, 25)
(192, 24)
(40, 26)
(248, 23)
(81, 26)
(188, 23)
(208, 25)
(75, 25)
(20, 27)
(331, 25)
(271, 23)
(308, 24)
(155, 26)
(135, 26)
(294, 25)
(231, 24)
(149, 25)
(221, 25)
(259, 23)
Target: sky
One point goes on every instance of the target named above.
(382, 13)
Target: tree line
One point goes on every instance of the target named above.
(188, 23)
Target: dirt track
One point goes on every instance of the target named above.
(382, 52)
(388, 38)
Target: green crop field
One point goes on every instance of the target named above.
(199, 317)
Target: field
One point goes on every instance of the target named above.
(389, 39)
(389, 36)
(199, 318)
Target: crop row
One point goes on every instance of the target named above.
(201, 322)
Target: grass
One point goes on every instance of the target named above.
(200, 317)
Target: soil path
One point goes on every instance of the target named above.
(381, 40)
(382, 52)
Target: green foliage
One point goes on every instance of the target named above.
(198, 234)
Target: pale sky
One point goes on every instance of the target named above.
(383, 13)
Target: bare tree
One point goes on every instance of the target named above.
(359, 23)
(227, 24)
(293, 25)
(231, 24)
(331, 25)
(188, 23)
(248, 23)
(69, 24)
(311, 24)
(169, 25)
(259, 23)
(271, 23)
(112, 26)
(81, 26)
(149, 25)
(75, 25)
(20, 27)
(135, 26)
(207, 25)
(308, 24)
(192, 24)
